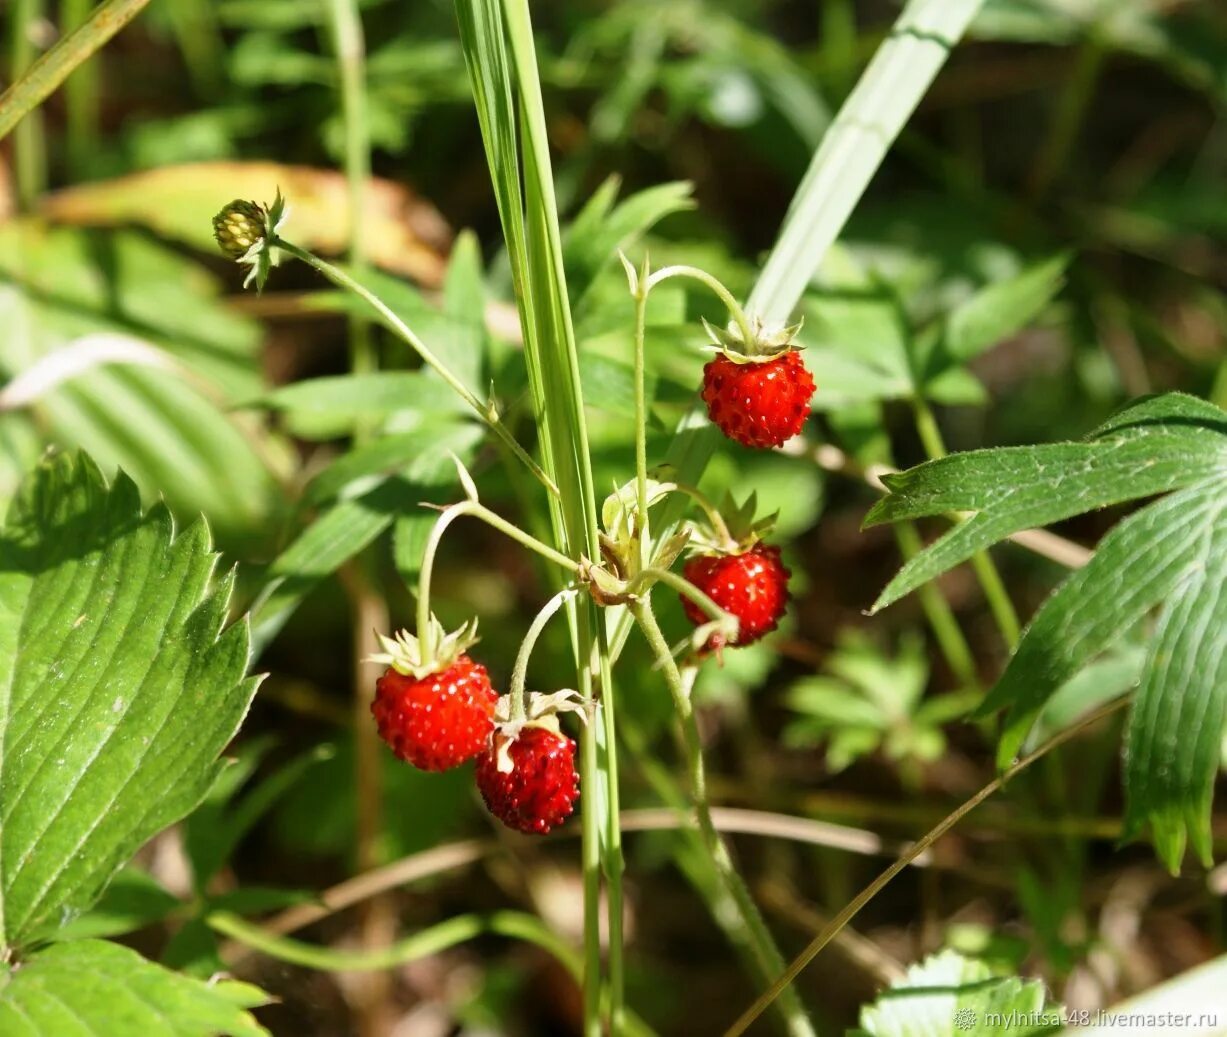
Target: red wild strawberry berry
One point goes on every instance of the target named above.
(439, 720)
(753, 586)
(540, 788)
(759, 403)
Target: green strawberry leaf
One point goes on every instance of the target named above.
(948, 995)
(1002, 309)
(1170, 555)
(91, 988)
(119, 686)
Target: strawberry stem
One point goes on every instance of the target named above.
(519, 708)
(767, 957)
(641, 289)
(748, 335)
(718, 525)
(648, 576)
(483, 410)
(474, 508)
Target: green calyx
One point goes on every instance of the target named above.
(731, 529)
(768, 342)
(418, 656)
(246, 232)
(540, 710)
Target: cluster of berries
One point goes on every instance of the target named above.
(441, 713)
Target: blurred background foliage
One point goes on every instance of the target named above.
(1073, 151)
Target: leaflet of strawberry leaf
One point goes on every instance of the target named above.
(118, 686)
(1155, 445)
(91, 988)
(1171, 553)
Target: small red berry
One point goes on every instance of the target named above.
(439, 720)
(540, 789)
(753, 586)
(759, 403)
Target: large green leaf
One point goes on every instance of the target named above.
(118, 685)
(1158, 444)
(947, 995)
(1171, 555)
(91, 988)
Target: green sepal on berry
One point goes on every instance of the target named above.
(416, 656)
(540, 710)
(732, 529)
(622, 528)
(769, 341)
(245, 231)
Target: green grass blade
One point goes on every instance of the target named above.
(853, 148)
(54, 67)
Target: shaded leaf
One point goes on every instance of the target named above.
(118, 686)
(91, 988)
(948, 995)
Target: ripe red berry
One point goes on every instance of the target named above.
(542, 786)
(439, 720)
(759, 403)
(753, 586)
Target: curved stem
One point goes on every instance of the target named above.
(702, 276)
(343, 280)
(520, 672)
(449, 515)
(430, 941)
(709, 509)
(915, 850)
(766, 956)
(684, 587)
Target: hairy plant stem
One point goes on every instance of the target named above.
(519, 673)
(986, 572)
(722, 293)
(766, 956)
(446, 518)
(483, 411)
(950, 640)
(854, 906)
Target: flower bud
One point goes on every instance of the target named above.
(239, 226)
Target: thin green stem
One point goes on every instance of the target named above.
(345, 24)
(710, 510)
(81, 93)
(49, 71)
(430, 941)
(449, 515)
(641, 416)
(766, 956)
(487, 415)
(683, 586)
(519, 673)
(950, 640)
(702, 276)
(854, 906)
(30, 153)
(986, 572)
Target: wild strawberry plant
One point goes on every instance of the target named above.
(125, 673)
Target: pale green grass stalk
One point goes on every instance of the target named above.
(499, 51)
(837, 924)
(49, 71)
(81, 96)
(30, 153)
